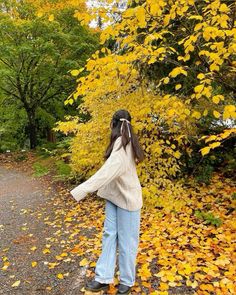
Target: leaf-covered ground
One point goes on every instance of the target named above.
(50, 243)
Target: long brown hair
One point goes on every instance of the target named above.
(116, 132)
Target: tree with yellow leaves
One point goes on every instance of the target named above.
(173, 66)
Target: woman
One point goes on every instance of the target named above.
(118, 183)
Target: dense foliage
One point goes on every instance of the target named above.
(37, 53)
(172, 65)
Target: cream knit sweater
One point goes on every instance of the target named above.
(116, 181)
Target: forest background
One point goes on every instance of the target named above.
(171, 65)
(67, 66)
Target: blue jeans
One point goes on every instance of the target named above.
(121, 228)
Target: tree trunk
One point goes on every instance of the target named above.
(51, 135)
(32, 129)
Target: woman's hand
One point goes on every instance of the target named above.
(78, 193)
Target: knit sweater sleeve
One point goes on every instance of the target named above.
(112, 168)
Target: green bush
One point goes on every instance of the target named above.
(46, 149)
(8, 145)
(63, 171)
(39, 169)
(204, 174)
(229, 163)
(64, 143)
(208, 218)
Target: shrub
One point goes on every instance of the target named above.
(39, 169)
(63, 171)
(204, 174)
(208, 218)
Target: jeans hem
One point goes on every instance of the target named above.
(104, 281)
(129, 285)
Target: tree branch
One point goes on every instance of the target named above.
(10, 93)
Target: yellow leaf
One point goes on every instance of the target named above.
(178, 86)
(215, 144)
(205, 150)
(198, 27)
(141, 16)
(200, 76)
(128, 13)
(16, 284)
(207, 287)
(215, 99)
(196, 115)
(39, 14)
(60, 276)
(52, 265)
(171, 112)
(229, 111)
(166, 80)
(152, 60)
(194, 284)
(184, 72)
(51, 17)
(177, 154)
(146, 284)
(34, 263)
(198, 17)
(199, 88)
(205, 112)
(163, 286)
(83, 262)
(74, 72)
(211, 138)
(92, 264)
(176, 71)
(58, 257)
(46, 251)
(170, 277)
(64, 254)
(224, 8)
(6, 265)
(216, 114)
(214, 67)
(187, 111)
(144, 272)
(33, 248)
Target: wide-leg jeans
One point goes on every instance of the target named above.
(121, 231)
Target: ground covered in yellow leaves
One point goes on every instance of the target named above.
(57, 241)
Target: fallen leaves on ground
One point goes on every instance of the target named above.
(178, 252)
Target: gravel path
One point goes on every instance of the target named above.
(22, 227)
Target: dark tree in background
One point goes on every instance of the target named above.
(36, 56)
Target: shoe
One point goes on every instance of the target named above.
(123, 289)
(96, 286)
